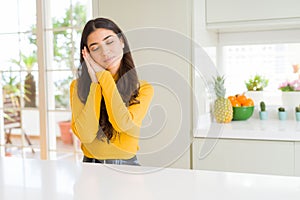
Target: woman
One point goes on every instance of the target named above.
(108, 101)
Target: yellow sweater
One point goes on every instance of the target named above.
(125, 120)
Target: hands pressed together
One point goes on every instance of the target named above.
(92, 66)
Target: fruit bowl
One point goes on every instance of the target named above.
(242, 112)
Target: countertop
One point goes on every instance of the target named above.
(22, 179)
(251, 129)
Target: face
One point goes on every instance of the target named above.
(106, 48)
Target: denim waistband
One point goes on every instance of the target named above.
(131, 161)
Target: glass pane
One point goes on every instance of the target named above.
(65, 14)
(31, 126)
(22, 84)
(10, 56)
(62, 143)
(9, 15)
(55, 119)
(27, 14)
(11, 83)
(63, 49)
(59, 89)
(20, 133)
(63, 41)
(28, 55)
(9, 51)
(23, 140)
(275, 62)
(79, 13)
(76, 39)
(59, 13)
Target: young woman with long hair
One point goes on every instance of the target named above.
(108, 101)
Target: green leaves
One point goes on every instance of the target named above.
(220, 90)
(257, 83)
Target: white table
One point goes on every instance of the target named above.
(40, 180)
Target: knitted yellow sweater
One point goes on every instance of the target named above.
(125, 120)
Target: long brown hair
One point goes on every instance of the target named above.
(127, 83)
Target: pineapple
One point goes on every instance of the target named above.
(222, 107)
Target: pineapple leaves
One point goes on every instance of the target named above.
(220, 90)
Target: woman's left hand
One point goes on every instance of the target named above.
(92, 66)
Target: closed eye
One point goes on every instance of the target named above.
(94, 48)
(109, 42)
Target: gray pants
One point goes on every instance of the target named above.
(131, 161)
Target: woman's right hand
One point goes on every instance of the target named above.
(91, 65)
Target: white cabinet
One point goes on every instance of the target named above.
(297, 158)
(241, 12)
(248, 156)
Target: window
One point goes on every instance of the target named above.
(19, 78)
(20, 72)
(63, 34)
(268, 54)
(274, 61)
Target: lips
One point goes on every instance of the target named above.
(108, 60)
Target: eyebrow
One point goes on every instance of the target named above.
(95, 43)
(107, 37)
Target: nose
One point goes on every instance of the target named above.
(105, 51)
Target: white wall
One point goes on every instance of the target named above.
(159, 33)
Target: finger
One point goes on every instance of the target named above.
(87, 63)
(91, 71)
(86, 58)
(94, 64)
(85, 51)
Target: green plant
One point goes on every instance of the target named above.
(62, 92)
(64, 47)
(11, 86)
(262, 106)
(281, 109)
(29, 83)
(290, 86)
(257, 83)
(297, 109)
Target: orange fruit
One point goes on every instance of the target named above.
(248, 102)
(241, 98)
(231, 98)
(235, 103)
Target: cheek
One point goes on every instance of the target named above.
(97, 58)
(118, 49)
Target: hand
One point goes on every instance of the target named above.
(91, 65)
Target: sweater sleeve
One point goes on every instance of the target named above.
(85, 117)
(121, 117)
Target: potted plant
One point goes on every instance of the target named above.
(297, 109)
(282, 115)
(29, 83)
(255, 86)
(263, 114)
(65, 131)
(290, 92)
(257, 83)
(10, 87)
